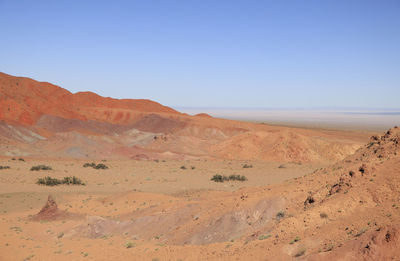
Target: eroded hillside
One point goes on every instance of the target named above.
(43, 120)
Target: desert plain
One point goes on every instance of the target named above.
(148, 186)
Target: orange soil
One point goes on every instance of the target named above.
(346, 211)
(311, 194)
(24, 100)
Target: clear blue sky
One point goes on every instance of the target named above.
(282, 54)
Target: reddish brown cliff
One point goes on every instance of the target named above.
(23, 101)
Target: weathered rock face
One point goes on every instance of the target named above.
(50, 211)
(50, 207)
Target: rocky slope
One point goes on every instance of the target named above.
(39, 119)
(347, 211)
(24, 101)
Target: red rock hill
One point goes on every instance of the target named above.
(24, 100)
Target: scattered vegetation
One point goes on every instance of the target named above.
(262, 237)
(93, 165)
(87, 164)
(40, 167)
(280, 215)
(282, 166)
(101, 166)
(28, 258)
(21, 159)
(309, 200)
(16, 229)
(297, 239)
(220, 178)
(4, 167)
(237, 177)
(49, 181)
(247, 166)
(362, 231)
(72, 181)
(129, 245)
(184, 167)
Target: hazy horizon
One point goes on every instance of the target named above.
(375, 109)
(344, 119)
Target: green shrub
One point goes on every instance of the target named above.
(49, 181)
(4, 167)
(183, 167)
(247, 166)
(237, 177)
(40, 167)
(297, 239)
(220, 178)
(233, 177)
(362, 231)
(262, 237)
(93, 165)
(72, 181)
(280, 215)
(129, 245)
(217, 178)
(101, 166)
(241, 178)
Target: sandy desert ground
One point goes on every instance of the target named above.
(128, 187)
(308, 194)
(149, 210)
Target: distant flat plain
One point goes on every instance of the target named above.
(342, 119)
